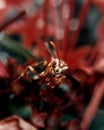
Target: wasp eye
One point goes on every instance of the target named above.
(57, 70)
(63, 71)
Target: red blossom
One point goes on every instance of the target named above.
(38, 119)
(3, 71)
(99, 4)
(86, 63)
(15, 123)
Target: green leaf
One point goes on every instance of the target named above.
(17, 48)
(66, 118)
(17, 109)
(98, 121)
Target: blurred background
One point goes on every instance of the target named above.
(26, 25)
(50, 19)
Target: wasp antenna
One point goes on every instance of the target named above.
(47, 46)
(56, 50)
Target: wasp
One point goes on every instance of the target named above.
(54, 71)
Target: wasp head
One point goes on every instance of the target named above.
(58, 67)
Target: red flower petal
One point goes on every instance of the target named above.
(3, 71)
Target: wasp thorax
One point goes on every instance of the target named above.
(58, 67)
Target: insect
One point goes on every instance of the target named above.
(54, 71)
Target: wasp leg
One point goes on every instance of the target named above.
(31, 69)
(37, 76)
(56, 81)
(28, 68)
(39, 63)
